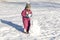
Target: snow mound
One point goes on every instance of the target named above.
(35, 28)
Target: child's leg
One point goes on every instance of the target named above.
(28, 26)
(25, 25)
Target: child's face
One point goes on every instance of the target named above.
(28, 8)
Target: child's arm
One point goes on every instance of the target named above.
(23, 14)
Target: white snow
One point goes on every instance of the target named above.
(46, 18)
(35, 28)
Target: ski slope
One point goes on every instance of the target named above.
(45, 14)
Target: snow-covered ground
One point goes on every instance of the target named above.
(56, 1)
(46, 15)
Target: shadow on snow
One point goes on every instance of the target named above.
(18, 27)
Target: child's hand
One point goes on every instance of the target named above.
(28, 15)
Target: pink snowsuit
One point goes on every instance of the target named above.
(26, 21)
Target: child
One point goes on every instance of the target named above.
(26, 14)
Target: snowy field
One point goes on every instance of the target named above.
(46, 15)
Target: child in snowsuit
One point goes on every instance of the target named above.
(26, 14)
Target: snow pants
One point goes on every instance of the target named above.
(26, 23)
